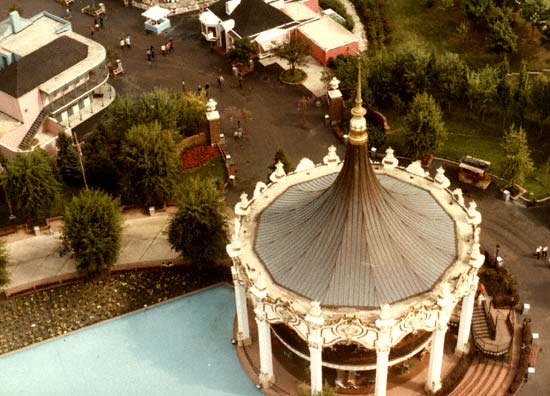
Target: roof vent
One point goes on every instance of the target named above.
(16, 22)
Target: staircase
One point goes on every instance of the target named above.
(485, 377)
(480, 324)
(31, 133)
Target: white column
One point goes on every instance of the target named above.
(264, 341)
(316, 366)
(315, 321)
(382, 358)
(466, 314)
(445, 302)
(243, 330)
(436, 359)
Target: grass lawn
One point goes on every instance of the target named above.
(214, 169)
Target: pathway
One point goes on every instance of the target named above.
(358, 28)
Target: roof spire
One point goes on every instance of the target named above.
(358, 124)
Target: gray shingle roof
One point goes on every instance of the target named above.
(39, 66)
(355, 238)
(251, 16)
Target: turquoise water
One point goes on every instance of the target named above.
(182, 347)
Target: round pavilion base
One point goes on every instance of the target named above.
(290, 371)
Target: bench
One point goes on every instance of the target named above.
(533, 354)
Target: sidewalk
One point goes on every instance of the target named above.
(36, 259)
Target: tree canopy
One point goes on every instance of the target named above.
(93, 227)
(426, 130)
(294, 52)
(31, 185)
(198, 229)
(517, 162)
(68, 162)
(149, 164)
(243, 50)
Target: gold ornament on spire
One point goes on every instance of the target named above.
(358, 124)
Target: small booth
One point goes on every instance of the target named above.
(156, 19)
(474, 171)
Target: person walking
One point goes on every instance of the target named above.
(538, 252)
(92, 30)
(240, 81)
(96, 25)
(68, 11)
(171, 45)
(148, 53)
(199, 89)
(220, 81)
(545, 252)
(183, 85)
(101, 23)
(163, 50)
(128, 42)
(152, 52)
(206, 87)
(122, 43)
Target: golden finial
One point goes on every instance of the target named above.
(358, 124)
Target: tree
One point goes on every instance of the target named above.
(100, 153)
(501, 38)
(149, 164)
(31, 185)
(482, 89)
(517, 163)
(539, 97)
(505, 93)
(198, 229)
(93, 227)
(426, 130)
(294, 52)
(4, 261)
(475, 10)
(532, 11)
(68, 163)
(243, 50)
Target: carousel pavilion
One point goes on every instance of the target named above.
(355, 265)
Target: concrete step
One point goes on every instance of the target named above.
(469, 386)
(487, 383)
(500, 386)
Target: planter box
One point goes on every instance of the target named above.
(516, 191)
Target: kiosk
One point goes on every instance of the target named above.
(156, 19)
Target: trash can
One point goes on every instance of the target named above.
(151, 210)
(525, 309)
(37, 230)
(506, 195)
(327, 120)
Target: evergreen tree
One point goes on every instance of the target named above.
(517, 163)
(280, 155)
(539, 98)
(93, 227)
(4, 261)
(68, 162)
(198, 229)
(532, 11)
(502, 38)
(31, 185)
(149, 164)
(426, 130)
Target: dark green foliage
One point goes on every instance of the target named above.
(505, 93)
(93, 227)
(533, 12)
(539, 98)
(68, 162)
(340, 9)
(4, 261)
(281, 156)
(148, 164)
(377, 137)
(243, 50)
(517, 163)
(425, 127)
(31, 185)
(545, 37)
(198, 229)
(294, 52)
(499, 283)
(477, 10)
(482, 90)
(501, 37)
(377, 23)
(100, 152)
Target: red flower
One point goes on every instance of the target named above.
(198, 156)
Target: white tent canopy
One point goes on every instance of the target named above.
(271, 38)
(156, 13)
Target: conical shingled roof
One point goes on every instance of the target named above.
(356, 238)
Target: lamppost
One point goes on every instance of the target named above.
(80, 159)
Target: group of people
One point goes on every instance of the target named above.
(125, 42)
(98, 23)
(164, 49)
(541, 252)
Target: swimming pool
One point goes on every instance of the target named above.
(182, 347)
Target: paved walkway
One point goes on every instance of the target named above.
(36, 259)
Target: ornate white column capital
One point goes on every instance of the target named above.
(389, 161)
(474, 217)
(259, 288)
(315, 315)
(441, 181)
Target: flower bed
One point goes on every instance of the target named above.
(198, 156)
